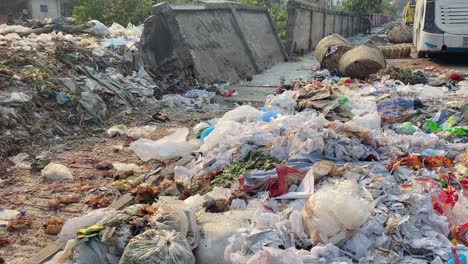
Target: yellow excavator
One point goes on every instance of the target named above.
(408, 13)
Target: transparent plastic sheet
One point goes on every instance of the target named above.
(369, 121)
(282, 103)
(335, 212)
(158, 246)
(169, 147)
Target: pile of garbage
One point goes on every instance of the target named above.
(331, 170)
(58, 79)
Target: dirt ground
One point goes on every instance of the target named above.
(455, 62)
(26, 190)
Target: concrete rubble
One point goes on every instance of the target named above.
(349, 166)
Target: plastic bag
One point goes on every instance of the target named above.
(56, 172)
(369, 121)
(217, 229)
(405, 128)
(71, 227)
(199, 127)
(113, 43)
(124, 168)
(282, 103)
(176, 216)
(169, 147)
(15, 98)
(139, 132)
(64, 256)
(19, 161)
(224, 130)
(274, 256)
(335, 212)
(459, 213)
(91, 250)
(241, 114)
(99, 29)
(158, 246)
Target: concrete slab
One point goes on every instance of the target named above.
(211, 41)
(308, 24)
(255, 91)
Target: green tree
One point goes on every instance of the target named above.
(109, 11)
(362, 6)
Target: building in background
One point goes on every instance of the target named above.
(35, 9)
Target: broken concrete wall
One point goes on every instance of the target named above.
(211, 41)
(308, 24)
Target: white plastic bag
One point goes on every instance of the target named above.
(335, 212)
(56, 172)
(122, 168)
(240, 114)
(169, 147)
(19, 161)
(274, 256)
(174, 215)
(64, 256)
(369, 121)
(282, 103)
(99, 29)
(459, 213)
(15, 98)
(71, 226)
(222, 131)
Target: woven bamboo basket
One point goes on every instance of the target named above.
(401, 34)
(396, 51)
(362, 61)
(331, 40)
(331, 61)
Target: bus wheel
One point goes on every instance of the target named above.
(421, 54)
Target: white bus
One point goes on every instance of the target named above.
(440, 26)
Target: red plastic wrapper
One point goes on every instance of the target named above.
(460, 233)
(444, 201)
(456, 77)
(278, 185)
(286, 176)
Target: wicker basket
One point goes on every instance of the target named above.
(362, 61)
(401, 34)
(322, 47)
(396, 51)
(331, 61)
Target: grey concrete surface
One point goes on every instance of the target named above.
(255, 91)
(211, 41)
(308, 24)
